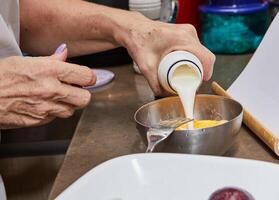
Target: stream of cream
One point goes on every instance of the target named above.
(185, 81)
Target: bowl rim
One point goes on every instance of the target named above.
(199, 95)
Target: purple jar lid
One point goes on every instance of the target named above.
(233, 6)
(103, 78)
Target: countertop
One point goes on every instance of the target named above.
(107, 130)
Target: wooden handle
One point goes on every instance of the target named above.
(252, 123)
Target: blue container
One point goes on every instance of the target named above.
(232, 3)
(233, 26)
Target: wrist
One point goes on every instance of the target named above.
(120, 27)
(128, 31)
(108, 23)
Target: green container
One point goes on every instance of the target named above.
(233, 33)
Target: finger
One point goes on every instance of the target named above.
(206, 57)
(62, 110)
(149, 69)
(208, 63)
(43, 122)
(61, 53)
(74, 96)
(74, 74)
(49, 90)
(152, 79)
(155, 86)
(15, 120)
(42, 109)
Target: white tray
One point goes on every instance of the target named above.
(161, 176)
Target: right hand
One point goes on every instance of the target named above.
(149, 41)
(34, 91)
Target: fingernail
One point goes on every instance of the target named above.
(61, 49)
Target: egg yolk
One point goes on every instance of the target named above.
(199, 124)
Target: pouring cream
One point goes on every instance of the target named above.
(185, 80)
(181, 73)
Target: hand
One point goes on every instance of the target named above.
(33, 91)
(149, 41)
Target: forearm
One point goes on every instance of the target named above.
(85, 27)
(88, 28)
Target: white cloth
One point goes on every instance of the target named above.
(9, 42)
(9, 28)
(2, 190)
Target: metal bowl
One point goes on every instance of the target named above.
(211, 141)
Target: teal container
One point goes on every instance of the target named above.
(233, 30)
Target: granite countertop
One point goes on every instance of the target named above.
(107, 130)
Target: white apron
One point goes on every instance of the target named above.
(9, 42)
(9, 28)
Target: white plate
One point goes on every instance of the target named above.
(174, 177)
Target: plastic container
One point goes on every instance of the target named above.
(169, 9)
(233, 26)
(173, 61)
(149, 8)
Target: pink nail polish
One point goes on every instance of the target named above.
(61, 49)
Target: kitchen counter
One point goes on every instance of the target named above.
(107, 130)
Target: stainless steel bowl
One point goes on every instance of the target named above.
(211, 141)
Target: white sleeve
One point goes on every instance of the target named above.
(9, 28)
(2, 190)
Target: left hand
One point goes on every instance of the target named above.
(35, 90)
(149, 41)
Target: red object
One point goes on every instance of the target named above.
(231, 194)
(188, 12)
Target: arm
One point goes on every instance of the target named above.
(84, 27)
(34, 91)
(89, 28)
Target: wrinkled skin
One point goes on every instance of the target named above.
(36, 90)
(104, 28)
(150, 41)
(33, 91)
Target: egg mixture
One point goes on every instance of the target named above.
(200, 124)
(185, 81)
